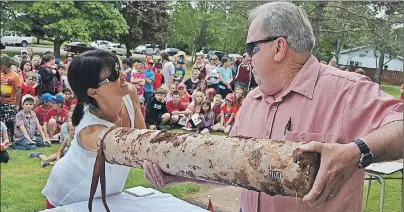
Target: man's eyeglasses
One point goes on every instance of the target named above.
(252, 47)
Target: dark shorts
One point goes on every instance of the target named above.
(4, 156)
(7, 112)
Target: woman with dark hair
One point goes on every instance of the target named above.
(168, 70)
(105, 99)
(50, 77)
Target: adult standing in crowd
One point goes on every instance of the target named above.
(168, 70)
(10, 94)
(49, 75)
(343, 116)
(243, 74)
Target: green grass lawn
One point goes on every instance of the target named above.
(22, 180)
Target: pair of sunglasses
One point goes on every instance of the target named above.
(252, 47)
(112, 77)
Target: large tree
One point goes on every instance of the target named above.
(68, 20)
(147, 20)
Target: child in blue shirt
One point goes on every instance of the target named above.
(179, 72)
(148, 86)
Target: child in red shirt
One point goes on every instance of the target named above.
(217, 107)
(184, 96)
(227, 115)
(27, 86)
(41, 110)
(54, 118)
(158, 77)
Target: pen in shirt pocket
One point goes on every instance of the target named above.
(288, 126)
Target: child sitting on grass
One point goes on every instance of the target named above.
(54, 118)
(63, 149)
(207, 118)
(27, 87)
(27, 124)
(216, 107)
(156, 111)
(4, 143)
(192, 82)
(227, 115)
(46, 104)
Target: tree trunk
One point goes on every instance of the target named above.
(37, 40)
(379, 71)
(317, 22)
(56, 47)
(273, 167)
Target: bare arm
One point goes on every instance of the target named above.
(221, 118)
(139, 120)
(17, 97)
(230, 119)
(25, 133)
(386, 143)
(41, 132)
(149, 81)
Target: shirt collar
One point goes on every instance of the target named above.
(303, 83)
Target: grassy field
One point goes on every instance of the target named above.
(22, 181)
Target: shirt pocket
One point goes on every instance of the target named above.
(304, 136)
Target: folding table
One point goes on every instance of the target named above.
(378, 171)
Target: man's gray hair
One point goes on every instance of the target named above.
(285, 19)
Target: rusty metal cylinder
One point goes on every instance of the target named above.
(273, 167)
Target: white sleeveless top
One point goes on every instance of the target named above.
(70, 178)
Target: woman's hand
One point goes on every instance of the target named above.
(157, 177)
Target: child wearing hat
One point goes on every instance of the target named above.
(227, 115)
(27, 124)
(46, 104)
(54, 118)
(156, 111)
(179, 71)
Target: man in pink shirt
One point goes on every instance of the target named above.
(342, 115)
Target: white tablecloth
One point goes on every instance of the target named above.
(124, 202)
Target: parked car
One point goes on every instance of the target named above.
(219, 54)
(171, 51)
(117, 49)
(78, 47)
(15, 38)
(100, 43)
(147, 49)
(2, 46)
(235, 56)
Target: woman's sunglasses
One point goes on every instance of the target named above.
(112, 77)
(252, 47)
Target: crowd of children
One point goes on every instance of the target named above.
(36, 100)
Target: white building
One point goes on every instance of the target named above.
(365, 57)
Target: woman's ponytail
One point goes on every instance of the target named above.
(78, 113)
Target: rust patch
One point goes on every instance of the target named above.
(144, 136)
(242, 177)
(218, 178)
(309, 164)
(223, 174)
(255, 159)
(161, 136)
(190, 173)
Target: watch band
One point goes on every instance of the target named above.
(366, 155)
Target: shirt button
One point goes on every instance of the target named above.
(303, 136)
